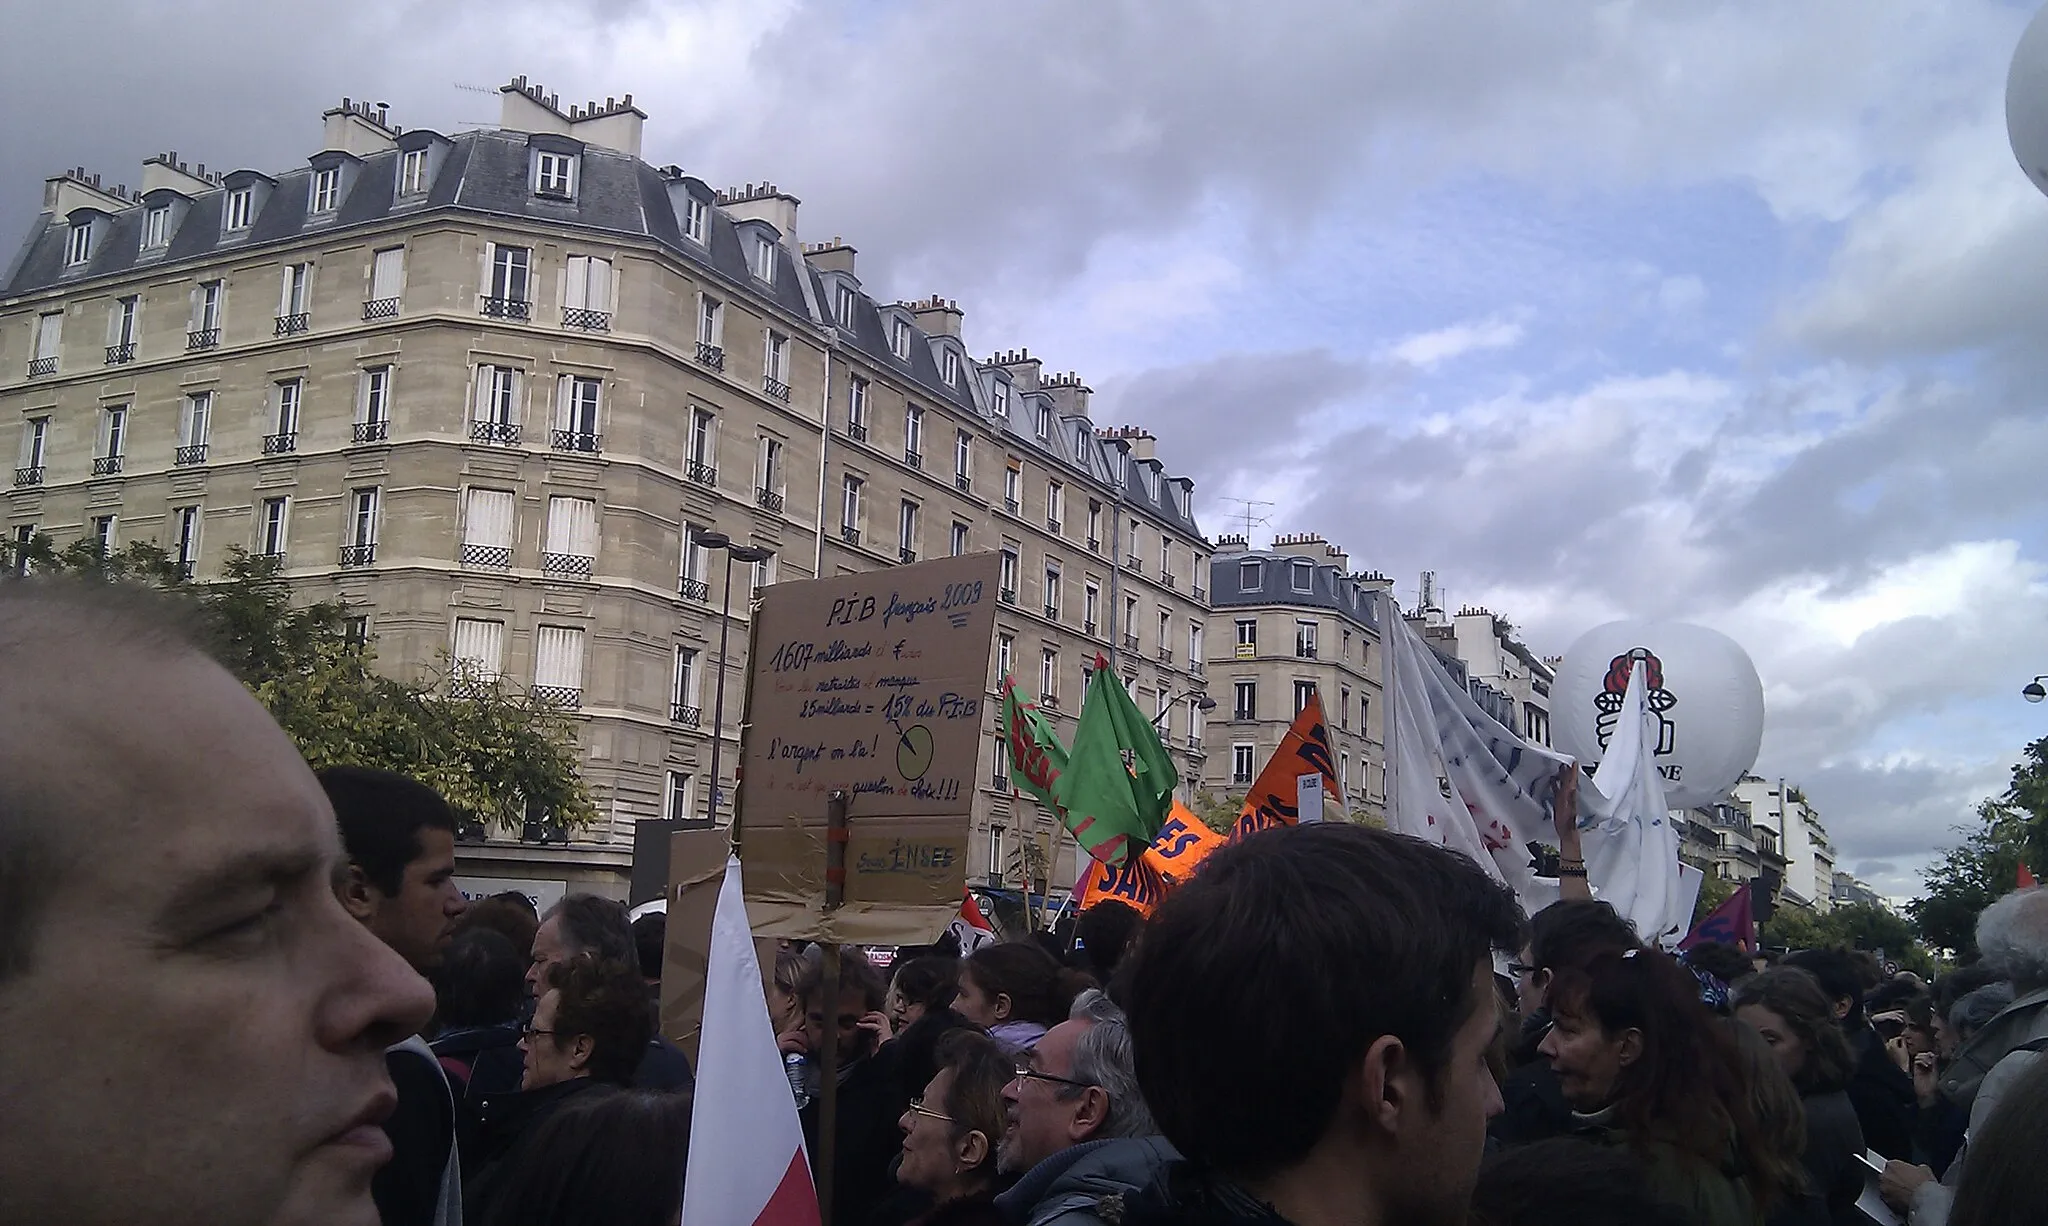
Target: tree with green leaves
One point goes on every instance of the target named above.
(496, 754)
(1972, 875)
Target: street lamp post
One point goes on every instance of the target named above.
(733, 552)
(2033, 691)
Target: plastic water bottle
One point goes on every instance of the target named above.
(793, 1066)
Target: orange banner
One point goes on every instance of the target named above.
(1274, 796)
(1184, 842)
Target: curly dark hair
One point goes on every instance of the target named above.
(606, 1000)
(1797, 997)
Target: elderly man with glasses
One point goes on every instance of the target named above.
(1076, 1130)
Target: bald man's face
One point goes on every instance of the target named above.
(199, 1011)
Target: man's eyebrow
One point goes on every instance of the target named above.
(243, 872)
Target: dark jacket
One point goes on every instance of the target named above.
(867, 1138)
(966, 1211)
(1714, 1194)
(498, 1070)
(409, 1190)
(500, 1121)
(1882, 1094)
(1834, 1179)
(1181, 1196)
(458, 1051)
(1532, 1099)
(2022, 1021)
(1071, 1187)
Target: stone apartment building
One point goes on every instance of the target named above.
(502, 390)
(1809, 854)
(1287, 622)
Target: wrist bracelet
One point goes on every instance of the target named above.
(1562, 871)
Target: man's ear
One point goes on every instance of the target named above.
(1002, 1005)
(358, 897)
(1091, 1111)
(1388, 1082)
(1630, 1048)
(579, 1051)
(972, 1150)
(1540, 980)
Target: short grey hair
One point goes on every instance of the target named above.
(1973, 1010)
(2012, 934)
(1102, 1057)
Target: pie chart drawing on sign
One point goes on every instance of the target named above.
(914, 752)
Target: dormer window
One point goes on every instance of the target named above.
(554, 174)
(1304, 576)
(1002, 399)
(842, 306)
(326, 192)
(696, 220)
(1045, 421)
(899, 339)
(78, 243)
(764, 258)
(412, 173)
(949, 367)
(241, 204)
(156, 227)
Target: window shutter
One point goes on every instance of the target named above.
(481, 644)
(575, 287)
(481, 409)
(387, 276)
(489, 522)
(51, 336)
(284, 293)
(565, 413)
(599, 291)
(558, 657)
(572, 527)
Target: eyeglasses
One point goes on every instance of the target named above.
(1026, 1071)
(529, 1030)
(917, 1107)
(1519, 969)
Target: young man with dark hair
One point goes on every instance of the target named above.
(1881, 1091)
(1311, 1016)
(400, 884)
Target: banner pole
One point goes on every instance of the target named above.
(739, 766)
(828, 1068)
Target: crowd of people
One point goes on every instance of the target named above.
(235, 991)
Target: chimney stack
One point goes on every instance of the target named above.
(937, 316)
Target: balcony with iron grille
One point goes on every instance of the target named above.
(1166, 655)
(857, 431)
(913, 458)
(574, 565)
(1049, 700)
(1194, 743)
(1136, 563)
(119, 355)
(502, 432)
(1052, 611)
(487, 557)
(768, 500)
(1088, 627)
(24, 477)
(849, 534)
(292, 325)
(1010, 505)
(576, 440)
(273, 555)
(710, 355)
(38, 367)
(686, 715)
(508, 308)
(282, 443)
(775, 387)
(106, 466)
(568, 696)
(381, 308)
(1166, 577)
(1304, 651)
(202, 338)
(370, 432)
(963, 483)
(1008, 595)
(1052, 525)
(694, 589)
(189, 454)
(1201, 593)
(906, 554)
(1130, 642)
(586, 319)
(1095, 543)
(359, 555)
(701, 473)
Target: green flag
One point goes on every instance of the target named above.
(1118, 784)
(1036, 756)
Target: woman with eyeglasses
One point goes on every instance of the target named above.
(950, 1133)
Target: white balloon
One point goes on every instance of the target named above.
(2026, 101)
(1704, 695)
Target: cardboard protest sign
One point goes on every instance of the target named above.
(1184, 842)
(875, 685)
(696, 864)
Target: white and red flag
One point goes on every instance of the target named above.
(971, 928)
(747, 1160)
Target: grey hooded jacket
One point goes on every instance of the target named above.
(1068, 1188)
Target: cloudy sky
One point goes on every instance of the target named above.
(1723, 311)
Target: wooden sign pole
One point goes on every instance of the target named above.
(828, 1067)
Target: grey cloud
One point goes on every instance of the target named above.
(1237, 413)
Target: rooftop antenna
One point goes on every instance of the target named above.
(1251, 519)
(487, 92)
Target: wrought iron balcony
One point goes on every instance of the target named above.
(1095, 543)
(913, 458)
(1304, 651)
(1008, 595)
(292, 325)
(189, 454)
(106, 466)
(508, 308)
(1136, 563)
(963, 483)
(686, 715)
(381, 308)
(694, 589)
(849, 534)
(120, 354)
(768, 500)
(1052, 524)
(202, 338)
(370, 431)
(577, 440)
(490, 557)
(1166, 655)
(38, 367)
(1166, 577)
(710, 355)
(586, 319)
(556, 695)
(857, 431)
(1194, 743)
(574, 564)
(775, 387)
(905, 553)
(1130, 642)
(1049, 700)
(1088, 627)
(275, 555)
(701, 473)
(282, 443)
(1010, 505)
(504, 432)
(32, 475)
(1200, 592)
(359, 555)
(1052, 612)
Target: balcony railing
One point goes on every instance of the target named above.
(273, 553)
(1242, 716)
(710, 355)
(963, 483)
(1136, 563)
(1130, 642)
(775, 387)
(906, 554)
(768, 500)
(1200, 592)
(1166, 577)
(1049, 700)
(505, 432)
(119, 354)
(381, 308)
(913, 458)
(857, 431)
(1166, 655)
(849, 534)
(1095, 543)
(189, 454)
(574, 564)
(106, 466)
(686, 715)
(1052, 612)
(1008, 595)
(508, 308)
(202, 338)
(1198, 668)
(490, 557)
(38, 367)
(701, 473)
(32, 475)
(1010, 505)
(1088, 626)
(359, 555)
(187, 567)
(586, 319)
(556, 695)
(292, 325)
(370, 431)
(694, 589)
(577, 440)
(1194, 743)
(283, 442)
(1304, 651)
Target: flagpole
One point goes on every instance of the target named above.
(739, 762)
(828, 1067)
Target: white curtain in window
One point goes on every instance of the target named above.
(489, 518)
(558, 657)
(49, 334)
(387, 274)
(572, 527)
(576, 404)
(588, 284)
(480, 644)
(497, 394)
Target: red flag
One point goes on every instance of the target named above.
(1732, 923)
(2027, 881)
(971, 928)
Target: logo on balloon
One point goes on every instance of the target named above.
(1614, 689)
